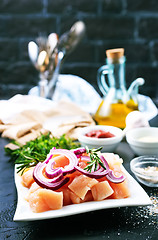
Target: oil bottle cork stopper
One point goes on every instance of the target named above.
(115, 53)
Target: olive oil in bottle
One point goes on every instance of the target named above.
(117, 101)
(116, 115)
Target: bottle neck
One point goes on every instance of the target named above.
(116, 72)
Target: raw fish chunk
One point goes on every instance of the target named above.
(66, 196)
(43, 200)
(81, 185)
(121, 190)
(113, 160)
(101, 191)
(34, 187)
(27, 177)
(88, 197)
(75, 199)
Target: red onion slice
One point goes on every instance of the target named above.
(51, 172)
(79, 151)
(73, 161)
(112, 178)
(106, 165)
(85, 158)
(44, 182)
(49, 156)
(94, 174)
(54, 177)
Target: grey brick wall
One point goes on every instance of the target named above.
(132, 24)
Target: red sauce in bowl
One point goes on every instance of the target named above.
(99, 134)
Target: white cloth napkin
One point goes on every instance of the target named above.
(24, 115)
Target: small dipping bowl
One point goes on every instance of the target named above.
(145, 169)
(108, 144)
(143, 140)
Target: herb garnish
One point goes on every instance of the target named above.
(95, 160)
(36, 150)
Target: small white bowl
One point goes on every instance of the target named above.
(143, 141)
(107, 144)
(145, 169)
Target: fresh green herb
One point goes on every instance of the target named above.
(95, 160)
(36, 150)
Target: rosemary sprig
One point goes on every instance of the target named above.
(95, 160)
(36, 150)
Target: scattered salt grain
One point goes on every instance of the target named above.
(153, 209)
(150, 212)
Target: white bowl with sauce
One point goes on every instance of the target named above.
(145, 169)
(143, 141)
(108, 144)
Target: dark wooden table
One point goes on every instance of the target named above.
(120, 223)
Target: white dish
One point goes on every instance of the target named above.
(143, 140)
(24, 213)
(107, 144)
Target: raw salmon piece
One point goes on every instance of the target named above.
(74, 174)
(75, 199)
(60, 161)
(101, 191)
(112, 159)
(43, 200)
(88, 197)
(27, 177)
(34, 187)
(71, 176)
(115, 163)
(120, 190)
(53, 199)
(66, 196)
(37, 204)
(81, 184)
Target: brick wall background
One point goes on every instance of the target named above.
(132, 24)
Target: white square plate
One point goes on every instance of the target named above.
(24, 213)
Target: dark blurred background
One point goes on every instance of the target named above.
(132, 24)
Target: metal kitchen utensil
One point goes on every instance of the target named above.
(52, 43)
(66, 44)
(49, 53)
(52, 83)
(43, 61)
(33, 51)
(69, 40)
